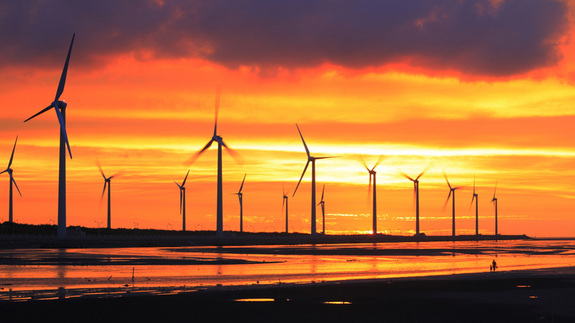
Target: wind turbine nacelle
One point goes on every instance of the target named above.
(62, 104)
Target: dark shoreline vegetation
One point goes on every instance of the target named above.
(16, 235)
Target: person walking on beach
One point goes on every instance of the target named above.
(493, 265)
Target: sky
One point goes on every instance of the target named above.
(482, 89)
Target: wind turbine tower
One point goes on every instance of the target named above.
(416, 195)
(240, 197)
(372, 174)
(60, 108)
(452, 195)
(476, 198)
(12, 184)
(108, 183)
(183, 200)
(217, 138)
(322, 204)
(285, 203)
(310, 159)
(494, 201)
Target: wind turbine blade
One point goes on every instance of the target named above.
(242, 186)
(495, 190)
(379, 160)
(14, 181)
(424, 171)
(235, 155)
(217, 108)
(42, 111)
(103, 191)
(305, 168)
(4, 171)
(322, 192)
(181, 200)
(101, 171)
(362, 161)
(305, 146)
(63, 129)
(12, 156)
(283, 203)
(64, 71)
(185, 178)
(407, 176)
(472, 199)
(118, 174)
(206, 146)
(177, 184)
(447, 200)
(473, 185)
(197, 154)
(326, 157)
(447, 180)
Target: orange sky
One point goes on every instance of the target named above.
(143, 113)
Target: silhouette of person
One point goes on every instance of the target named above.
(493, 265)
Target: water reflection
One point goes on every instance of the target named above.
(61, 267)
(163, 270)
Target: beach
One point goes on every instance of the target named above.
(405, 281)
(545, 295)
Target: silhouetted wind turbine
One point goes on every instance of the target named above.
(452, 195)
(60, 108)
(416, 195)
(310, 159)
(220, 141)
(183, 200)
(108, 183)
(494, 201)
(12, 184)
(372, 173)
(285, 203)
(240, 197)
(476, 198)
(322, 204)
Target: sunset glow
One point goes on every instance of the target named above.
(140, 94)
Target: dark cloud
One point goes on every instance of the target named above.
(473, 37)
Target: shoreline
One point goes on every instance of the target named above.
(541, 295)
(16, 236)
(230, 239)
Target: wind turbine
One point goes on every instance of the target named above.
(310, 159)
(285, 203)
(183, 200)
(372, 173)
(60, 108)
(240, 197)
(12, 181)
(494, 201)
(108, 183)
(416, 195)
(322, 203)
(451, 192)
(220, 141)
(476, 198)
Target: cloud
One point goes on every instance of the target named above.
(484, 37)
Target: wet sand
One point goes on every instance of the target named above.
(545, 295)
